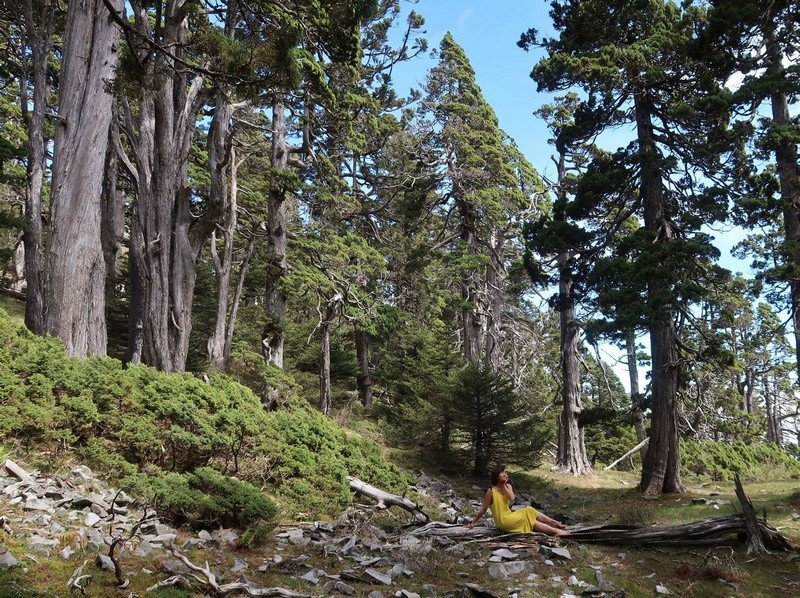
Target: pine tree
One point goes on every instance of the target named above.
(630, 57)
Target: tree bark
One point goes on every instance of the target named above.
(113, 217)
(221, 158)
(636, 396)
(325, 367)
(275, 305)
(166, 239)
(661, 468)
(75, 263)
(789, 177)
(495, 294)
(362, 357)
(571, 447)
(40, 40)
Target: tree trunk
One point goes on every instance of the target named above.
(495, 292)
(661, 468)
(571, 447)
(636, 396)
(113, 218)
(272, 336)
(40, 40)
(75, 263)
(362, 356)
(166, 239)
(221, 157)
(789, 176)
(325, 367)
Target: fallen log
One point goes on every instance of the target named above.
(246, 587)
(386, 499)
(629, 453)
(728, 529)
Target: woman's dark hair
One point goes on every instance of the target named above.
(496, 474)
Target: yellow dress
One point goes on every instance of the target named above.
(521, 520)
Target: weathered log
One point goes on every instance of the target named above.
(246, 587)
(729, 529)
(386, 499)
(760, 536)
(630, 452)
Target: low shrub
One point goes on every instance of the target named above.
(721, 461)
(205, 497)
(175, 430)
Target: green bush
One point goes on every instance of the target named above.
(721, 461)
(205, 497)
(137, 422)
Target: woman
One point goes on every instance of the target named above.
(523, 520)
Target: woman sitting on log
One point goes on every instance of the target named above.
(523, 520)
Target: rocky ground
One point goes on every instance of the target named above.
(78, 519)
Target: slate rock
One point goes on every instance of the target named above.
(7, 559)
(175, 567)
(239, 565)
(104, 562)
(378, 576)
(92, 519)
(555, 551)
(66, 552)
(506, 570)
(343, 588)
(81, 473)
(662, 590)
(312, 576)
(406, 594)
(502, 553)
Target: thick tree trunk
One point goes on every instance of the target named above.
(362, 357)
(636, 397)
(571, 447)
(166, 239)
(661, 468)
(39, 32)
(473, 314)
(789, 177)
(113, 218)
(75, 263)
(272, 336)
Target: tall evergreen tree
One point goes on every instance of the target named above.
(630, 56)
(484, 186)
(755, 42)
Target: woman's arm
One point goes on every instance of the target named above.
(487, 501)
(509, 492)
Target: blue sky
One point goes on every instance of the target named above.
(488, 31)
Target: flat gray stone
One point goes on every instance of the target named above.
(312, 576)
(239, 565)
(555, 551)
(104, 562)
(343, 588)
(506, 570)
(66, 552)
(92, 519)
(7, 559)
(378, 576)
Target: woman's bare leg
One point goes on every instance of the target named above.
(544, 528)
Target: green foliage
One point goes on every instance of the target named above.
(175, 437)
(491, 423)
(205, 497)
(721, 461)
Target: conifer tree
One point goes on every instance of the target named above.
(484, 186)
(630, 57)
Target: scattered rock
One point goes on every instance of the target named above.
(662, 590)
(104, 562)
(92, 519)
(81, 473)
(502, 553)
(555, 551)
(66, 552)
(239, 565)
(7, 559)
(343, 588)
(378, 576)
(506, 570)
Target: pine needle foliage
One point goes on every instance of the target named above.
(492, 423)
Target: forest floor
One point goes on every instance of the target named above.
(605, 497)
